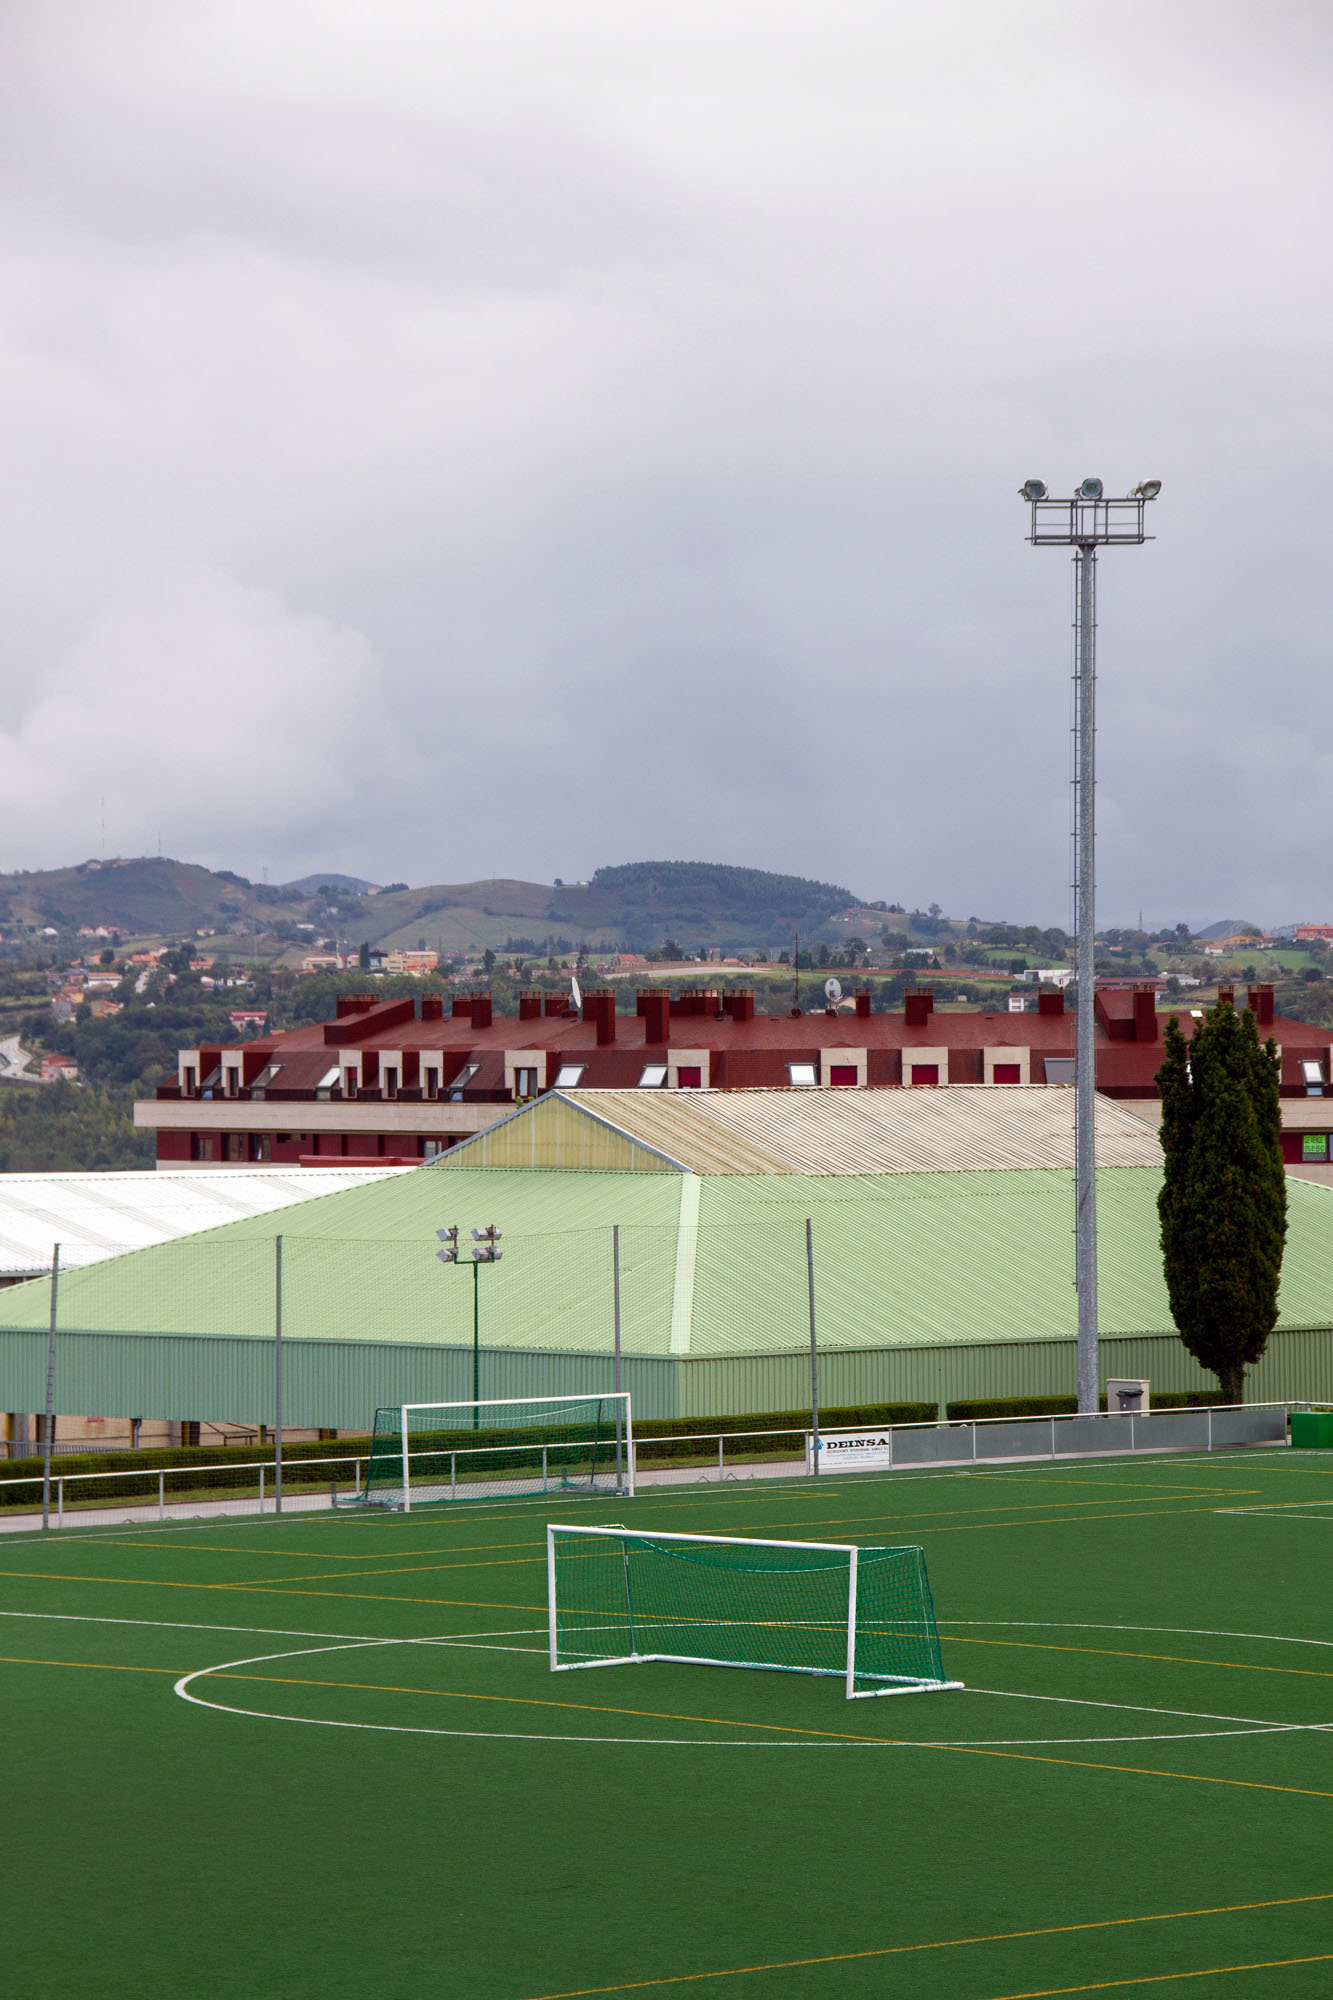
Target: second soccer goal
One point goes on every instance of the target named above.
(619, 1596)
(435, 1454)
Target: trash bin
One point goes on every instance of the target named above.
(1312, 1430)
(1126, 1396)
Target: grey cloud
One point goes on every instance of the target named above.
(629, 405)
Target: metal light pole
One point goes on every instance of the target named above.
(1085, 523)
(487, 1251)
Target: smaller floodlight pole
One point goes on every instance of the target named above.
(487, 1251)
(1086, 523)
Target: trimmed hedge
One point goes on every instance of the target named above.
(1067, 1406)
(674, 1437)
(180, 1464)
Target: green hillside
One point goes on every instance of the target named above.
(637, 905)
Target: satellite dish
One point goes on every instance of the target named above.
(832, 991)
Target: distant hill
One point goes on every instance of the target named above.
(331, 879)
(1228, 927)
(637, 905)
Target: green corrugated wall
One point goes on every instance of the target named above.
(339, 1384)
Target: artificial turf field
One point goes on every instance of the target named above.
(369, 1786)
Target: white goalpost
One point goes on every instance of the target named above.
(619, 1597)
(513, 1447)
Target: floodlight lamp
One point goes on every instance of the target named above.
(1032, 489)
(1090, 489)
(1147, 489)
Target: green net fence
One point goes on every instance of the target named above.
(865, 1615)
(436, 1454)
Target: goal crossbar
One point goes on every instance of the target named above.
(620, 1597)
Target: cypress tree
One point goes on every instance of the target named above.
(1223, 1204)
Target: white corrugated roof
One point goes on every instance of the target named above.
(877, 1131)
(92, 1216)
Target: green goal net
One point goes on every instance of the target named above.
(432, 1454)
(619, 1596)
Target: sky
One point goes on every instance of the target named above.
(446, 441)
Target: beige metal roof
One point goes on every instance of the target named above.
(960, 1128)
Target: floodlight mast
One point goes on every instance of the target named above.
(1085, 523)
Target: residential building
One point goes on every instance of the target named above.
(404, 1080)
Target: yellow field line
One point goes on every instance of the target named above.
(1117, 1653)
(940, 1944)
(1159, 1978)
(723, 1722)
(96, 1666)
(841, 1735)
(540, 1701)
(403, 1569)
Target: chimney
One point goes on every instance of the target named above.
(863, 1003)
(742, 1006)
(356, 1003)
(432, 1006)
(529, 1006)
(601, 1007)
(919, 1006)
(556, 1004)
(481, 1010)
(1261, 1005)
(1145, 1014)
(1226, 996)
(655, 1008)
(1050, 1000)
(460, 1005)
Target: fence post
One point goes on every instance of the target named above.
(60, 1503)
(161, 1496)
(615, 1374)
(49, 1425)
(277, 1376)
(261, 1489)
(814, 1347)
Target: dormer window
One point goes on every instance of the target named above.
(233, 1081)
(525, 1083)
(431, 1081)
(189, 1079)
(390, 1082)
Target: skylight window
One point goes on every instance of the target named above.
(461, 1082)
(654, 1077)
(569, 1076)
(803, 1076)
(1312, 1076)
(1059, 1069)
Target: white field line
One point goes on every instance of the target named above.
(774, 1476)
(1250, 1727)
(1088, 1625)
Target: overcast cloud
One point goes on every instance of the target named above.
(445, 441)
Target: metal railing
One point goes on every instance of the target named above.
(247, 1486)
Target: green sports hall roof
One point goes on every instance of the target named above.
(712, 1262)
